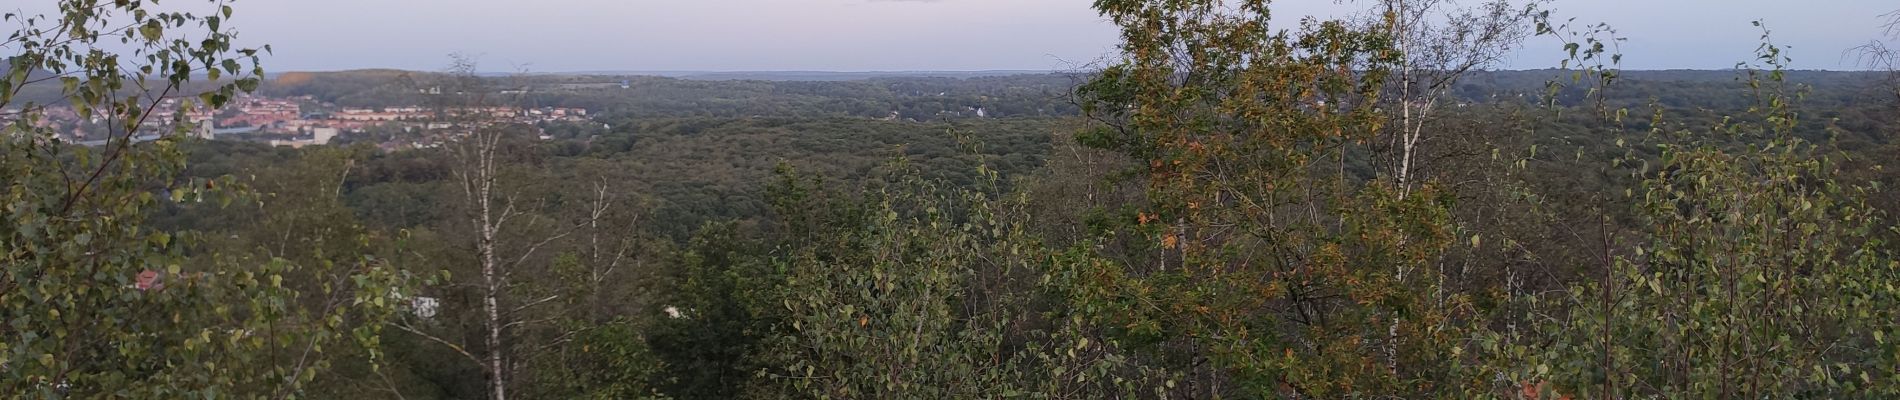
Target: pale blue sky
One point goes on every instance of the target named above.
(860, 35)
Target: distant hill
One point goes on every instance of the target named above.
(788, 76)
(822, 76)
(1686, 89)
(377, 73)
(45, 92)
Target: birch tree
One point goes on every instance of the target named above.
(511, 226)
(1439, 43)
(1879, 53)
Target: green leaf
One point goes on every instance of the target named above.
(152, 31)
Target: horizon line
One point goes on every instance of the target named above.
(643, 72)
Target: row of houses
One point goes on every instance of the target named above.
(292, 121)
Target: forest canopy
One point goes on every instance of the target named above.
(1233, 206)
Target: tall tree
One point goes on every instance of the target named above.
(1758, 270)
(1276, 259)
(1440, 43)
(512, 227)
(99, 304)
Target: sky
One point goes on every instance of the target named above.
(938, 35)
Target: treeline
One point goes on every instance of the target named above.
(903, 99)
(923, 98)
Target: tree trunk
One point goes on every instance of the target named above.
(491, 277)
(490, 303)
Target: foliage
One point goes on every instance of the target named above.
(608, 360)
(1236, 207)
(714, 323)
(1759, 273)
(1279, 269)
(878, 308)
(96, 302)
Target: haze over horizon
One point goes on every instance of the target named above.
(930, 35)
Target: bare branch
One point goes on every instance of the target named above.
(452, 346)
(534, 303)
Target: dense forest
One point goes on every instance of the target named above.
(1235, 207)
